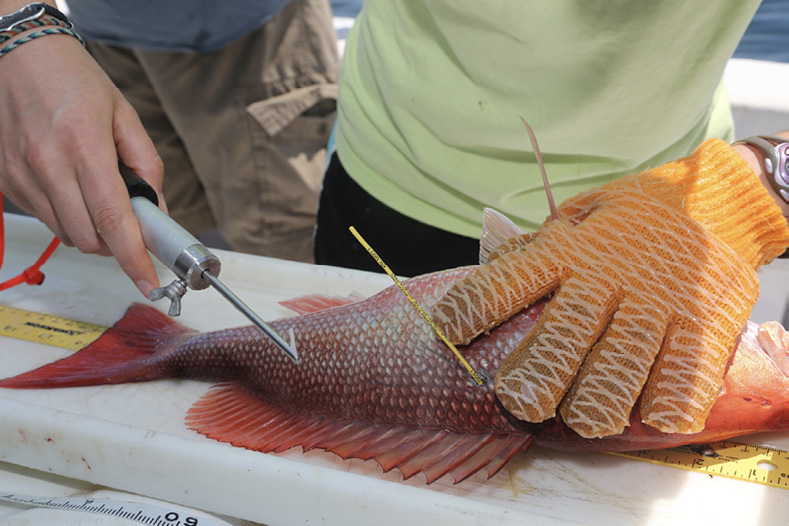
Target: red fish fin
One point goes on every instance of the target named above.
(117, 356)
(434, 452)
(318, 302)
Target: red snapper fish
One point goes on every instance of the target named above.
(374, 382)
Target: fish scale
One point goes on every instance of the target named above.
(380, 361)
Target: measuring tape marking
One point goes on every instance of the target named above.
(47, 329)
(760, 464)
(134, 511)
(474, 374)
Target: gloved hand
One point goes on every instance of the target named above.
(654, 277)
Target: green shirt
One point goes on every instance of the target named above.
(431, 92)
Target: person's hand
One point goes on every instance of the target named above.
(654, 279)
(64, 127)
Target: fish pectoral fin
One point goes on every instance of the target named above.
(230, 413)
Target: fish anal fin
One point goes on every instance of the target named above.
(490, 456)
(269, 428)
(440, 457)
(418, 440)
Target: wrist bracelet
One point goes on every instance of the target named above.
(32, 36)
(47, 20)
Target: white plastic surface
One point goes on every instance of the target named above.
(132, 437)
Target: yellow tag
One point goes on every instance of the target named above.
(47, 329)
(474, 374)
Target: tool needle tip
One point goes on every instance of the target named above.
(290, 350)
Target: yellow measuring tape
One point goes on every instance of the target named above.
(474, 374)
(47, 329)
(735, 460)
(758, 464)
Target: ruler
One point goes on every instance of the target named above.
(47, 329)
(758, 464)
(150, 514)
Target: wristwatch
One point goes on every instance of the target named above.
(29, 13)
(776, 160)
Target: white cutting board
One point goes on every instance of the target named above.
(132, 437)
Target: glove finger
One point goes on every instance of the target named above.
(686, 379)
(511, 245)
(603, 394)
(534, 378)
(688, 373)
(494, 292)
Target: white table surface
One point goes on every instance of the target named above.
(132, 438)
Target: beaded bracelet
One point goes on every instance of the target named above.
(46, 20)
(49, 31)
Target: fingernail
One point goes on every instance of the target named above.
(145, 287)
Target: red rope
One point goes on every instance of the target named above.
(32, 275)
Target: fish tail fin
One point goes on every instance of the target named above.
(124, 353)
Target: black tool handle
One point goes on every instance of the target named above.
(136, 186)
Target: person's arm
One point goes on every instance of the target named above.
(63, 127)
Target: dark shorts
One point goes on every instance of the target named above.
(407, 246)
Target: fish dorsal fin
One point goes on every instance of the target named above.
(230, 413)
(317, 302)
(496, 229)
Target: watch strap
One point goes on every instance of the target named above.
(29, 13)
(46, 20)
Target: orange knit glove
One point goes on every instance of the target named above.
(656, 277)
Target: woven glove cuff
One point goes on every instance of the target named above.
(715, 187)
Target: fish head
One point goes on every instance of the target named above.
(754, 398)
(755, 393)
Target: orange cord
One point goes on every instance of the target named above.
(32, 275)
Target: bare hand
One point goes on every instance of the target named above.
(63, 129)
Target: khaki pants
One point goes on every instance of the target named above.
(242, 130)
